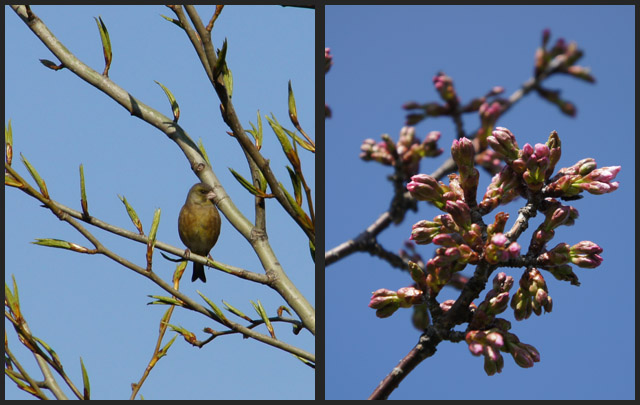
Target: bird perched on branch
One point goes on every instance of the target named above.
(199, 224)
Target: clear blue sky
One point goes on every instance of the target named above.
(385, 56)
(90, 307)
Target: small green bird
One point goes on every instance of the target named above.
(199, 224)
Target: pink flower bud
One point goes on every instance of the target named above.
(444, 239)
(522, 357)
(495, 339)
(499, 240)
(463, 152)
(425, 188)
(604, 174)
(446, 305)
(410, 296)
(460, 213)
(381, 298)
(504, 142)
(423, 232)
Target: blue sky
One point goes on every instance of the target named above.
(88, 306)
(385, 56)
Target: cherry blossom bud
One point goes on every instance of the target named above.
(463, 152)
(381, 298)
(532, 296)
(444, 85)
(426, 188)
(586, 254)
(444, 239)
(495, 339)
(460, 213)
(583, 176)
(500, 250)
(417, 274)
(557, 256)
(410, 296)
(555, 151)
(504, 187)
(420, 317)
(448, 224)
(423, 232)
(522, 357)
(604, 174)
(499, 224)
(446, 305)
(502, 282)
(499, 303)
(377, 151)
(504, 142)
(429, 146)
(558, 214)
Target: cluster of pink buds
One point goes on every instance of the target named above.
(560, 58)
(585, 254)
(504, 187)
(426, 188)
(556, 214)
(409, 149)
(462, 239)
(444, 86)
(463, 152)
(495, 302)
(532, 296)
(488, 335)
(534, 163)
(583, 176)
(491, 342)
(499, 249)
(386, 302)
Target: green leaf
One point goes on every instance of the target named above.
(106, 45)
(265, 318)
(301, 214)
(235, 311)
(256, 132)
(214, 307)
(175, 108)
(83, 194)
(281, 134)
(85, 381)
(60, 244)
(203, 151)
(248, 185)
(173, 20)
(297, 185)
(41, 184)
(154, 225)
(165, 348)
(164, 300)
(220, 62)
(293, 113)
(132, 214)
(306, 145)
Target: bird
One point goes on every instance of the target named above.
(199, 225)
